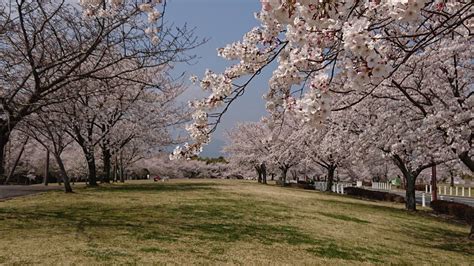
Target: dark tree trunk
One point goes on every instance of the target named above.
(410, 178)
(273, 176)
(46, 169)
(92, 169)
(434, 187)
(410, 192)
(330, 179)
(115, 169)
(284, 171)
(64, 176)
(5, 130)
(17, 160)
(464, 157)
(259, 174)
(106, 157)
(451, 183)
(122, 170)
(263, 168)
(3, 143)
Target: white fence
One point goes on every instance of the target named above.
(336, 187)
(321, 186)
(456, 191)
(382, 185)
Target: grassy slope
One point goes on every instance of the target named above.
(221, 221)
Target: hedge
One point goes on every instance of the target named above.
(461, 211)
(376, 195)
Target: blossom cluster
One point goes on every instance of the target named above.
(104, 8)
(362, 42)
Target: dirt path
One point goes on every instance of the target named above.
(8, 192)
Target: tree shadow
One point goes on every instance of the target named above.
(158, 187)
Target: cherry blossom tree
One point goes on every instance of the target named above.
(326, 146)
(48, 45)
(255, 145)
(391, 128)
(48, 129)
(438, 84)
(144, 124)
(313, 42)
(248, 147)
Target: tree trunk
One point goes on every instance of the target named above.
(434, 187)
(410, 178)
(452, 180)
(115, 169)
(263, 168)
(464, 157)
(46, 169)
(106, 156)
(410, 193)
(122, 170)
(3, 143)
(17, 160)
(92, 169)
(259, 174)
(330, 179)
(284, 171)
(64, 176)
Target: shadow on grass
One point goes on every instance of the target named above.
(266, 234)
(219, 220)
(158, 187)
(343, 217)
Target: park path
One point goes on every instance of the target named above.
(419, 195)
(12, 191)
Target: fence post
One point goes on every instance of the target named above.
(444, 190)
(423, 201)
(470, 192)
(426, 189)
(462, 191)
(456, 191)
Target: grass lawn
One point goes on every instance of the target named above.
(221, 221)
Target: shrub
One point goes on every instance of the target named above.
(458, 210)
(302, 185)
(376, 195)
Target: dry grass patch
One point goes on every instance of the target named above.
(220, 221)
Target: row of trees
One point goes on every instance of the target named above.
(390, 77)
(420, 118)
(99, 83)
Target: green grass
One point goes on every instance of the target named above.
(221, 221)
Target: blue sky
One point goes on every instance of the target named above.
(222, 22)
